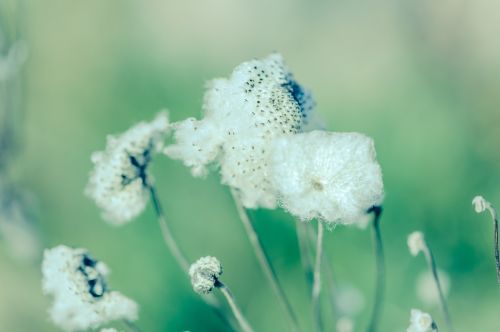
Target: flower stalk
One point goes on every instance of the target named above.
(380, 266)
(265, 263)
(316, 290)
(245, 327)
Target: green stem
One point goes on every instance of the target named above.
(380, 265)
(131, 325)
(234, 306)
(305, 252)
(316, 290)
(265, 263)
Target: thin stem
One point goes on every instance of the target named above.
(431, 262)
(234, 307)
(316, 290)
(265, 263)
(305, 252)
(181, 259)
(131, 325)
(494, 216)
(380, 263)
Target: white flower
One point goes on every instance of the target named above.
(344, 324)
(119, 179)
(421, 322)
(480, 204)
(416, 243)
(427, 290)
(334, 177)
(204, 274)
(81, 296)
(260, 101)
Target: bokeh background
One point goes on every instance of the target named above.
(421, 77)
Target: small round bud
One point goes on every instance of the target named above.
(421, 322)
(416, 242)
(480, 204)
(204, 274)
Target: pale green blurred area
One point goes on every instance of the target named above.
(421, 77)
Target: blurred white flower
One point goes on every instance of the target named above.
(427, 290)
(109, 329)
(82, 299)
(334, 177)
(349, 301)
(421, 322)
(204, 274)
(344, 324)
(260, 101)
(416, 243)
(480, 204)
(118, 182)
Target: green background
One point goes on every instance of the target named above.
(420, 77)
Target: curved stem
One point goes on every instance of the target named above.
(429, 257)
(234, 307)
(316, 290)
(496, 252)
(265, 263)
(305, 252)
(380, 263)
(179, 256)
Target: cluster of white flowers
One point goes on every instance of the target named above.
(333, 177)
(81, 296)
(204, 274)
(242, 114)
(119, 180)
(416, 243)
(254, 129)
(427, 290)
(421, 322)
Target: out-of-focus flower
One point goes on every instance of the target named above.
(82, 298)
(349, 300)
(416, 243)
(344, 324)
(421, 322)
(119, 181)
(427, 290)
(242, 114)
(204, 274)
(334, 177)
(480, 204)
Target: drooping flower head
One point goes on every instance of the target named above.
(416, 243)
(421, 322)
(242, 114)
(118, 183)
(82, 298)
(204, 274)
(334, 177)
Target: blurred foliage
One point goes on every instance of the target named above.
(420, 77)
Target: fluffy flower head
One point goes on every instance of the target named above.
(416, 243)
(119, 179)
(242, 114)
(204, 274)
(334, 177)
(82, 299)
(421, 322)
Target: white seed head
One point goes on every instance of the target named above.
(416, 243)
(242, 114)
(204, 274)
(118, 180)
(81, 297)
(344, 324)
(480, 204)
(427, 290)
(334, 177)
(421, 322)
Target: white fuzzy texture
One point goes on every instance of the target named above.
(334, 177)
(421, 322)
(204, 274)
(116, 184)
(480, 204)
(81, 298)
(241, 115)
(416, 243)
(427, 290)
